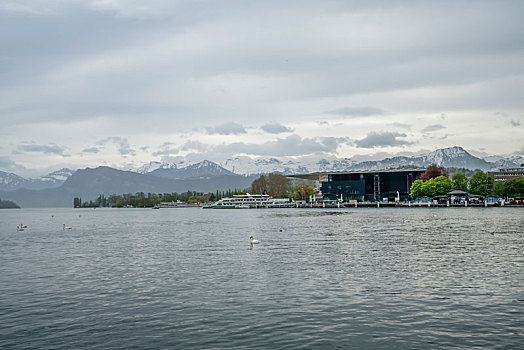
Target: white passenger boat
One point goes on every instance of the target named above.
(242, 201)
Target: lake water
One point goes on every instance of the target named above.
(320, 278)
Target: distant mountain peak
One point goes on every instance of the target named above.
(154, 165)
(203, 164)
(203, 169)
(58, 175)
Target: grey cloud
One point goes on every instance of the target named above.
(357, 111)
(6, 164)
(166, 144)
(249, 60)
(91, 150)
(167, 151)
(515, 122)
(334, 142)
(275, 128)
(230, 128)
(382, 139)
(401, 125)
(434, 127)
(124, 148)
(114, 139)
(194, 145)
(292, 145)
(47, 149)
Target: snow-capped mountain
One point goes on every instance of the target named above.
(182, 169)
(249, 166)
(152, 166)
(58, 176)
(512, 161)
(10, 181)
(203, 169)
(456, 157)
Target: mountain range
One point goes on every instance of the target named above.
(59, 187)
(11, 181)
(90, 182)
(456, 157)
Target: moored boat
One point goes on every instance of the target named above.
(242, 201)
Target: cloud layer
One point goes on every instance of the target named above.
(256, 77)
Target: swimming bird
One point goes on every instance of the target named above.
(64, 227)
(23, 226)
(18, 228)
(253, 241)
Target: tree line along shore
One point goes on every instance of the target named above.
(434, 181)
(275, 185)
(7, 204)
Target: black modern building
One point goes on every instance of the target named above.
(378, 185)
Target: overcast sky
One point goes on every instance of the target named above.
(124, 82)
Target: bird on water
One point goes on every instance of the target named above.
(253, 241)
(64, 227)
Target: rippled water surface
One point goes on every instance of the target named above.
(188, 278)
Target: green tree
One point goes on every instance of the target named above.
(303, 190)
(514, 187)
(77, 202)
(429, 188)
(481, 183)
(416, 189)
(442, 184)
(460, 182)
(7, 204)
(499, 189)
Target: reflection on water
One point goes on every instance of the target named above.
(365, 278)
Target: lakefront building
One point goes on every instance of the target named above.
(504, 173)
(373, 186)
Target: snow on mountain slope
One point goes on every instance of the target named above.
(243, 165)
(446, 157)
(58, 176)
(203, 169)
(10, 181)
(152, 166)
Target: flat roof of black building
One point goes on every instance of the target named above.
(318, 173)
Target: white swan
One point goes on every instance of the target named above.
(64, 227)
(253, 241)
